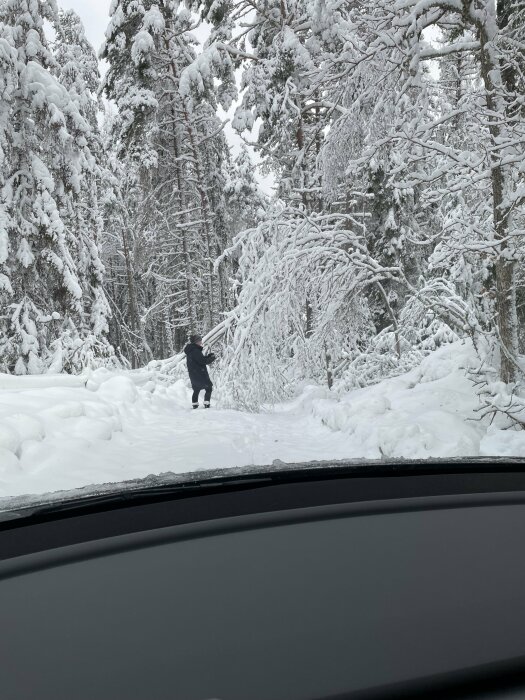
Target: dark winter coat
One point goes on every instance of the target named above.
(197, 366)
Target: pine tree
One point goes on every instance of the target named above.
(245, 202)
(45, 161)
(78, 72)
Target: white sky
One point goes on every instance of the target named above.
(95, 16)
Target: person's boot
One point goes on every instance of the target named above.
(206, 404)
(195, 405)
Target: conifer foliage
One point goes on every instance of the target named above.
(53, 305)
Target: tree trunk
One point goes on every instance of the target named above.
(137, 325)
(188, 268)
(205, 211)
(505, 267)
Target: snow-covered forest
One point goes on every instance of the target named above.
(395, 134)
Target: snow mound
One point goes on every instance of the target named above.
(427, 412)
(55, 429)
(119, 389)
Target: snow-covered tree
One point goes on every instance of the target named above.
(245, 201)
(288, 257)
(407, 119)
(53, 308)
(473, 184)
(170, 141)
(78, 72)
(283, 48)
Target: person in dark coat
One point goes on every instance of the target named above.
(198, 370)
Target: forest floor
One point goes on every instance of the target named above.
(64, 432)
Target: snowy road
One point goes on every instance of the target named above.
(188, 440)
(63, 432)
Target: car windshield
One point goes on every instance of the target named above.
(257, 234)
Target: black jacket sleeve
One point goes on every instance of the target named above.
(208, 359)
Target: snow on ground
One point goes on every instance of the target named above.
(63, 432)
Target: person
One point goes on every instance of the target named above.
(198, 370)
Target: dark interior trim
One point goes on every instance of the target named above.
(77, 537)
(93, 520)
(487, 682)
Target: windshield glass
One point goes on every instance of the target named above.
(268, 235)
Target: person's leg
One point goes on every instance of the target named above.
(207, 395)
(195, 398)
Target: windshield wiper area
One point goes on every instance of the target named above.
(169, 485)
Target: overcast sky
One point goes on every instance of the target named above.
(95, 16)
